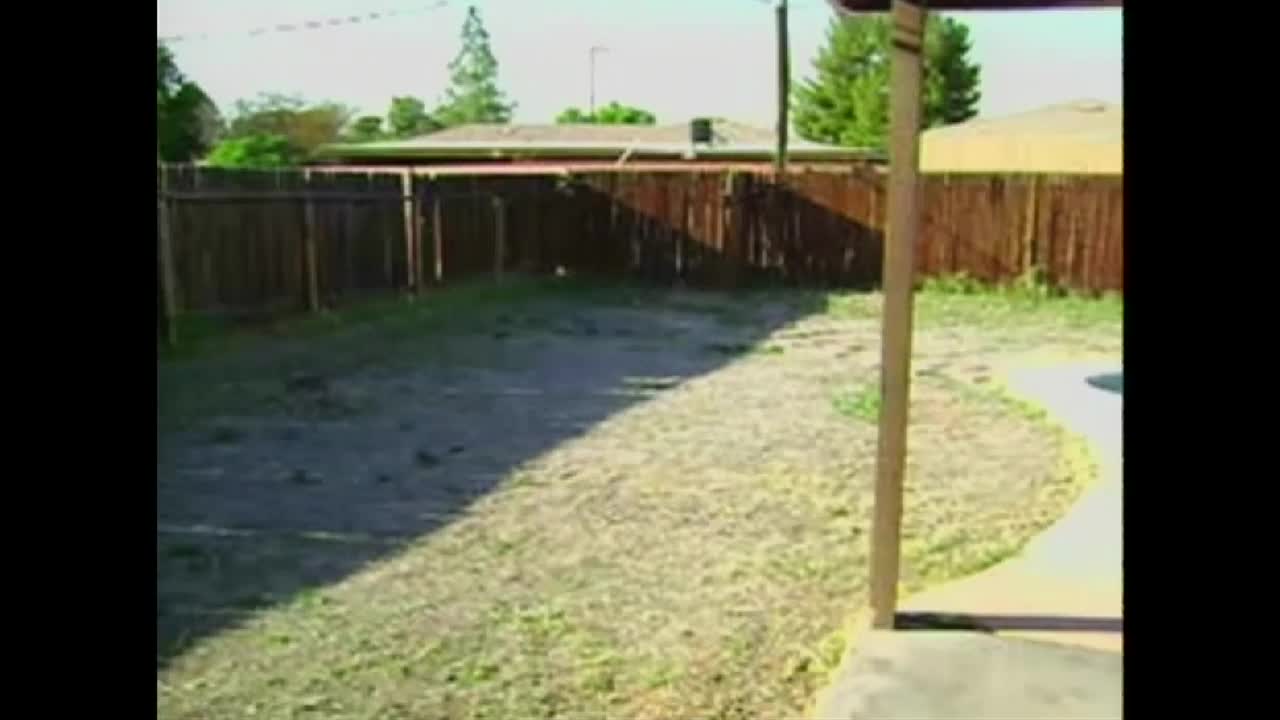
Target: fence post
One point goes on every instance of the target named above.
(1029, 232)
(350, 279)
(168, 274)
(407, 198)
(529, 249)
(730, 229)
(499, 236)
(309, 246)
(387, 266)
(1073, 216)
(437, 232)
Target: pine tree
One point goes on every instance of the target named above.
(951, 82)
(474, 96)
(847, 103)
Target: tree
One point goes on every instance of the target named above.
(612, 114)
(305, 126)
(255, 151)
(408, 117)
(473, 95)
(366, 129)
(847, 103)
(187, 121)
(951, 82)
(572, 116)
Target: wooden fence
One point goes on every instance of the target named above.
(251, 241)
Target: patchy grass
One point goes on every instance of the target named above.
(862, 403)
(456, 306)
(220, 368)
(694, 552)
(958, 300)
(1018, 308)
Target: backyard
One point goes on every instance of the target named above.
(556, 499)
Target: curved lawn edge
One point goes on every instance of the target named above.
(1078, 460)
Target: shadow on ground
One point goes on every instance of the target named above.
(1111, 382)
(348, 467)
(988, 622)
(345, 464)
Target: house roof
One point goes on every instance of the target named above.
(725, 132)
(731, 141)
(1082, 120)
(560, 167)
(1077, 136)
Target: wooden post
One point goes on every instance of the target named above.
(529, 250)
(895, 363)
(437, 232)
(350, 280)
(1029, 258)
(410, 229)
(499, 236)
(728, 230)
(613, 222)
(373, 186)
(1068, 275)
(686, 222)
(784, 86)
(309, 247)
(168, 273)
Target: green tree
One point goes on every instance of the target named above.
(255, 151)
(571, 116)
(951, 81)
(187, 121)
(612, 114)
(408, 117)
(473, 95)
(366, 129)
(847, 102)
(305, 126)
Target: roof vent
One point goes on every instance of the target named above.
(700, 131)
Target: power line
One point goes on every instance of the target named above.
(317, 24)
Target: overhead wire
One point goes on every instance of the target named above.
(313, 24)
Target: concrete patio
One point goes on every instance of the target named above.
(1045, 636)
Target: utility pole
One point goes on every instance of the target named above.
(591, 61)
(784, 86)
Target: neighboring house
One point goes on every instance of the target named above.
(1084, 136)
(590, 145)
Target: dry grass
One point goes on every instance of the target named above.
(689, 554)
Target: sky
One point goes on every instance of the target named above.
(677, 58)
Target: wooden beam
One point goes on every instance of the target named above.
(784, 86)
(899, 258)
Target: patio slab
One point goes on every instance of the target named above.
(1052, 617)
(945, 675)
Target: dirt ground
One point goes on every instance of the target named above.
(641, 506)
